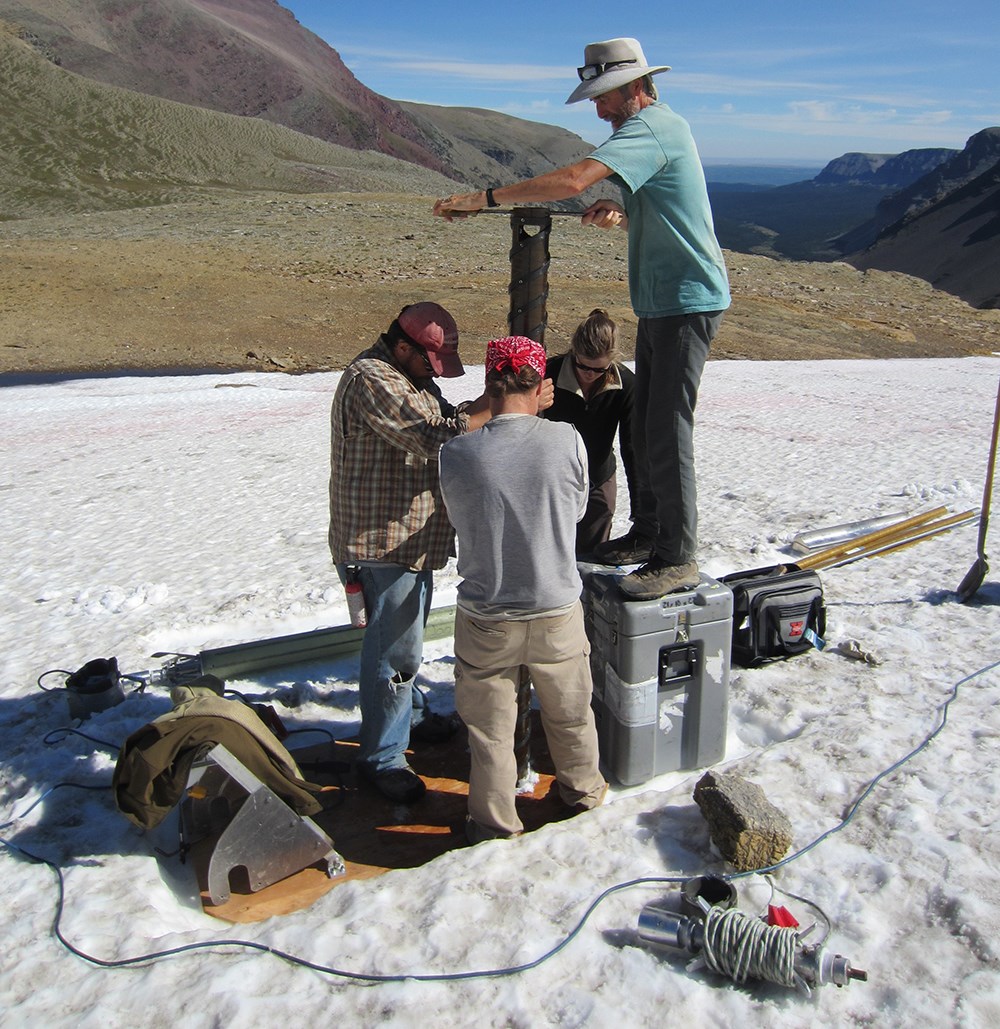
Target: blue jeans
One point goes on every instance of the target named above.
(670, 354)
(398, 601)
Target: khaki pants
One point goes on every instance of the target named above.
(489, 656)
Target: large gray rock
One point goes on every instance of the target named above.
(748, 829)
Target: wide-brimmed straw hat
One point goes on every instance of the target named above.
(611, 64)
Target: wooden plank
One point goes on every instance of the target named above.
(372, 834)
(861, 543)
(908, 540)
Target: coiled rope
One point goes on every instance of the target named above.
(746, 948)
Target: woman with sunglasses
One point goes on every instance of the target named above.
(593, 392)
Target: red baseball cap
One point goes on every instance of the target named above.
(430, 326)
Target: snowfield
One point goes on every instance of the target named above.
(174, 514)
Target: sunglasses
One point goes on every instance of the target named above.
(589, 369)
(593, 71)
(423, 355)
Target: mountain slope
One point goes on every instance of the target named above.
(246, 57)
(953, 171)
(252, 58)
(72, 144)
(949, 231)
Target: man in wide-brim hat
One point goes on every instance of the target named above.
(677, 283)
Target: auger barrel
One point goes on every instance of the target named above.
(529, 271)
(530, 228)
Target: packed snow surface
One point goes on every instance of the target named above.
(144, 515)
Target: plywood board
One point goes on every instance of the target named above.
(372, 834)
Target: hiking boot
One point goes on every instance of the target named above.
(630, 549)
(433, 728)
(401, 785)
(656, 579)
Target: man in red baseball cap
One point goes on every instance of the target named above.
(387, 521)
(430, 327)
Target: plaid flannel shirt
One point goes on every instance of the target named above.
(385, 500)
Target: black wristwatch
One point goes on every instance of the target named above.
(490, 201)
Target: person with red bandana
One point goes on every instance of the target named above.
(514, 491)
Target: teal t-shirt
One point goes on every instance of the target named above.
(675, 262)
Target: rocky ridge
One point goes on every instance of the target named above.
(944, 227)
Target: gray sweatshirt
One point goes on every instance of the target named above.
(514, 491)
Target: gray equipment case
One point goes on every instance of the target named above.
(661, 675)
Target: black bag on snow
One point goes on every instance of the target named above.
(777, 612)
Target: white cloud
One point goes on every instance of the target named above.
(933, 118)
(814, 111)
(491, 71)
(879, 129)
(506, 73)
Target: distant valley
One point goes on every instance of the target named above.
(742, 177)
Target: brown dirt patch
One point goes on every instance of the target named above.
(303, 283)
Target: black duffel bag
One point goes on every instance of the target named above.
(777, 612)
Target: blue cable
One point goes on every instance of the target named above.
(871, 785)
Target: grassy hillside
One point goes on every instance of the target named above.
(72, 144)
(496, 149)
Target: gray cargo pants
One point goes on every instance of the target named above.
(670, 354)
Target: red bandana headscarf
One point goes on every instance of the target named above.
(515, 352)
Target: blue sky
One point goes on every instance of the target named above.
(776, 81)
